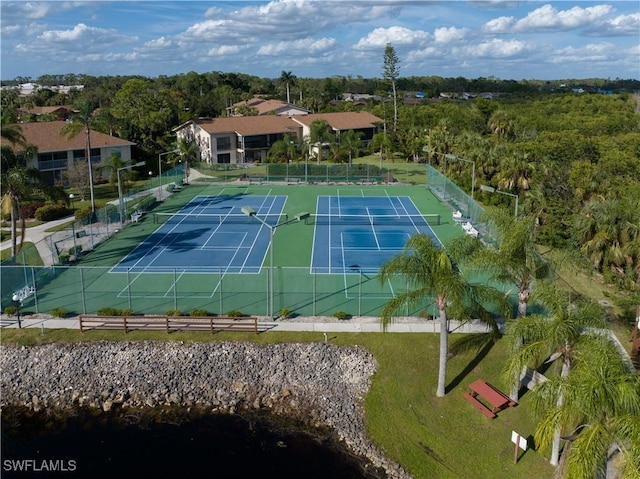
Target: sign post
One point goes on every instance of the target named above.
(520, 442)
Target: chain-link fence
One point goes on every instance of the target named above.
(457, 200)
(301, 291)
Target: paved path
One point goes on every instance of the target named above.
(36, 235)
(314, 324)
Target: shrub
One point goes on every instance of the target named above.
(341, 315)
(51, 212)
(234, 313)
(59, 312)
(146, 203)
(199, 312)
(29, 211)
(10, 310)
(114, 312)
(173, 312)
(284, 313)
(82, 213)
(75, 250)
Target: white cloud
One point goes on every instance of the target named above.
(593, 52)
(305, 46)
(379, 37)
(500, 25)
(83, 33)
(622, 25)
(223, 50)
(548, 17)
(449, 35)
(496, 48)
(159, 43)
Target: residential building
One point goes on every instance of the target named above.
(248, 139)
(262, 106)
(54, 150)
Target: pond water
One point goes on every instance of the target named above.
(205, 446)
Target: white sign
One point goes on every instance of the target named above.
(520, 441)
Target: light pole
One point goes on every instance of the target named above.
(175, 150)
(120, 200)
(491, 189)
(249, 211)
(18, 301)
(71, 197)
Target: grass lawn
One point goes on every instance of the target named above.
(431, 437)
(32, 257)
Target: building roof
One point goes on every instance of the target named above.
(265, 107)
(262, 125)
(247, 125)
(351, 120)
(43, 110)
(45, 136)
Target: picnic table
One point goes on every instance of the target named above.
(489, 394)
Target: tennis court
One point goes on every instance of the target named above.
(354, 234)
(198, 249)
(209, 234)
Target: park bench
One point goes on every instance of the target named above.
(479, 406)
(497, 399)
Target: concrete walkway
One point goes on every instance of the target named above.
(318, 324)
(38, 233)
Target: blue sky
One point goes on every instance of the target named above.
(321, 38)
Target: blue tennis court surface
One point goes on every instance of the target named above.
(209, 234)
(354, 234)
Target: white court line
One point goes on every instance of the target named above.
(373, 228)
(315, 234)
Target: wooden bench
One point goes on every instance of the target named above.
(479, 406)
(292, 180)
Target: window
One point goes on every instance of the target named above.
(223, 143)
(224, 158)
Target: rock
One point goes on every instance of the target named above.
(318, 384)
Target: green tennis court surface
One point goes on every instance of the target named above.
(377, 219)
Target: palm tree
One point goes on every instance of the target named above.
(513, 258)
(608, 234)
(188, 151)
(83, 120)
(288, 79)
(18, 184)
(600, 411)
(12, 133)
(560, 335)
(432, 273)
(352, 142)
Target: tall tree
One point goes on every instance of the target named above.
(351, 141)
(433, 275)
(18, 183)
(83, 120)
(600, 411)
(513, 258)
(391, 72)
(289, 79)
(559, 335)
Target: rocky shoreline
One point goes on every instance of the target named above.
(318, 385)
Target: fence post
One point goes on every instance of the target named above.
(128, 289)
(84, 307)
(175, 290)
(35, 288)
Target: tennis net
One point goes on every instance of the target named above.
(215, 219)
(375, 220)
